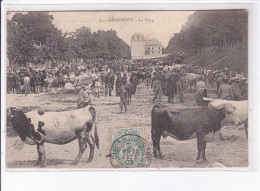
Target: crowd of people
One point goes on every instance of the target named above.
(164, 79)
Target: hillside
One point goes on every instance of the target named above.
(235, 58)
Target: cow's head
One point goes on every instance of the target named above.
(21, 124)
(229, 113)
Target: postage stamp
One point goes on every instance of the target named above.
(128, 149)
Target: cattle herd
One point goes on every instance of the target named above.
(172, 80)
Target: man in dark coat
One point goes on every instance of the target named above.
(134, 81)
(111, 83)
(37, 83)
(171, 88)
(118, 84)
(124, 80)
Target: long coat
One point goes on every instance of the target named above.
(171, 86)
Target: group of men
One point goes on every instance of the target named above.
(169, 83)
(30, 82)
(234, 89)
(172, 82)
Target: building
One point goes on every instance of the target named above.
(145, 49)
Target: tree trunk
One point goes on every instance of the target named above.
(12, 64)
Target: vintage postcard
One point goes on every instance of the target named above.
(126, 89)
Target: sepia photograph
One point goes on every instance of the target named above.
(117, 89)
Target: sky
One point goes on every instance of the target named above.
(152, 24)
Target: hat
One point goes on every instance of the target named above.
(237, 77)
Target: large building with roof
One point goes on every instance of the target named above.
(145, 49)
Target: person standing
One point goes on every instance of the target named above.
(37, 83)
(157, 89)
(111, 83)
(97, 87)
(147, 78)
(123, 99)
(201, 92)
(124, 79)
(224, 90)
(171, 88)
(18, 83)
(235, 91)
(106, 80)
(180, 86)
(26, 85)
(134, 81)
(31, 76)
(118, 84)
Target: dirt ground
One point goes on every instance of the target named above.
(232, 153)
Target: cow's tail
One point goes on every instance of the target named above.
(96, 138)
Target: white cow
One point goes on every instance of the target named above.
(238, 111)
(57, 128)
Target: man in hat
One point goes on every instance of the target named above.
(235, 91)
(224, 90)
(83, 98)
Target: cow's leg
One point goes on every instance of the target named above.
(82, 146)
(200, 138)
(156, 137)
(154, 144)
(91, 146)
(199, 146)
(204, 144)
(39, 161)
(42, 155)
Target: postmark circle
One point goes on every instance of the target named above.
(18, 144)
(128, 151)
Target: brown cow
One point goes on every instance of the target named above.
(182, 124)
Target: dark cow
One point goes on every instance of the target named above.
(58, 83)
(36, 128)
(182, 124)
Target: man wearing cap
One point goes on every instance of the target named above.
(224, 91)
(235, 91)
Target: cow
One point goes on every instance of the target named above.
(182, 124)
(191, 80)
(238, 113)
(36, 128)
(58, 84)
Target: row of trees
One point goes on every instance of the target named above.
(33, 38)
(210, 28)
